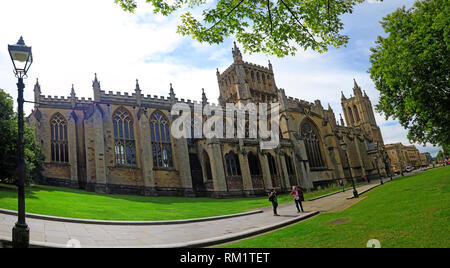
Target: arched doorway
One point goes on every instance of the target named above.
(197, 175)
(255, 171)
(275, 176)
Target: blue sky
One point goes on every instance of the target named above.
(73, 39)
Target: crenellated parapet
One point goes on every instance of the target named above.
(63, 102)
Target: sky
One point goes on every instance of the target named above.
(74, 39)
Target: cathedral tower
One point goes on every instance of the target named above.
(358, 112)
(244, 82)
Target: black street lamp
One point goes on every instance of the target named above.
(344, 148)
(378, 168)
(22, 59)
(387, 164)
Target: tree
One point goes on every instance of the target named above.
(7, 137)
(440, 157)
(8, 145)
(411, 69)
(275, 27)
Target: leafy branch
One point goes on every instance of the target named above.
(272, 27)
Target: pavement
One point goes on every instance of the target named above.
(50, 233)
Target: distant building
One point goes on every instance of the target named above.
(402, 156)
(426, 159)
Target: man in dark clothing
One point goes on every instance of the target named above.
(273, 199)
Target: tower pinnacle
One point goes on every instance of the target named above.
(356, 89)
(37, 93)
(72, 91)
(73, 98)
(204, 99)
(138, 93)
(96, 87)
(237, 56)
(172, 93)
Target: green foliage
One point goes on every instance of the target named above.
(7, 137)
(411, 67)
(8, 145)
(268, 26)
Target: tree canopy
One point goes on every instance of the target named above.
(275, 27)
(411, 69)
(8, 145)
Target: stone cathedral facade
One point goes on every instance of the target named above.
(122, 144)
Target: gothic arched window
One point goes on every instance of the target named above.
(289, 165)
(312, 144)
(350, 116)
(272, 165)
(161, 145)
(124, 144)
(59, 142)
(207, 166)
(254, 165)
(232, 163)
(355, 109)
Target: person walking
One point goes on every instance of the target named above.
(273, 199)
(341, 183)
(297, 194)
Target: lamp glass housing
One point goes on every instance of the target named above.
(21, 57)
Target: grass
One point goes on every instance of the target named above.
(71, 203)
(408, 212)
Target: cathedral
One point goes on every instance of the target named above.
(122, 144)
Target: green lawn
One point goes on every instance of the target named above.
(409, 212)
(71, 203)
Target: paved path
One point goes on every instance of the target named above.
(92, 235)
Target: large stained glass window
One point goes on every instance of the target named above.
(124, 144)
(59, 142)
(254, 165)
(232, 163)
(312, 144)
(161, 145)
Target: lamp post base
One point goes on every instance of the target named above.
(355, 193)
(21, 236)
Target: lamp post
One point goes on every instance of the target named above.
(344, 148)
(378, 168)
(387, 164)
(375, 150)
(22, 59)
